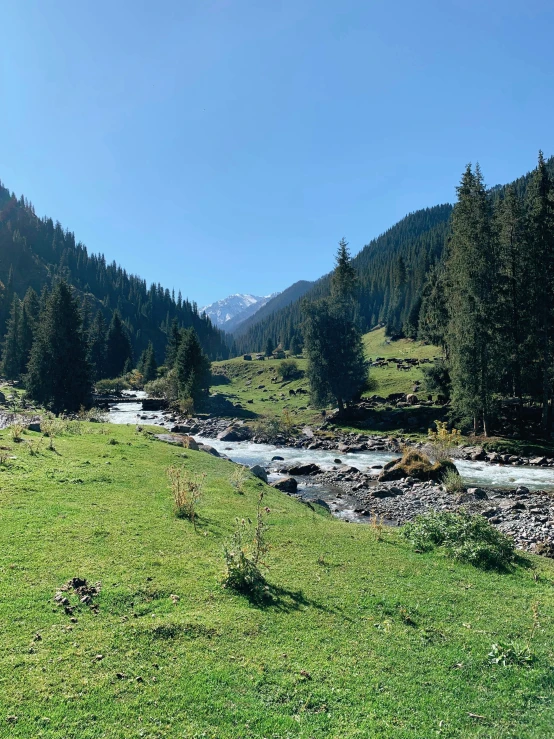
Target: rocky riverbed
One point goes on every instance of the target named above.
(524, 514)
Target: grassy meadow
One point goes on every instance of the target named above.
(361, 636)
(239, 381)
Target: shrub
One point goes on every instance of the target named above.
(164, 387)
(463, 536)
(452, 481)
(115, 385)
(239, 475)
(243, 555)
(52, 427)
(442, 440)
(288, 370)
(95, 415)
(16, 429)
(187, 491)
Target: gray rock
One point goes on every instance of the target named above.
(285, 484)
(305, 469)
(478, 493)
(209, 450)
(259, 472)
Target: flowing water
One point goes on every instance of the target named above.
(245, 452)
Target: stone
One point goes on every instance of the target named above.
(180, 429)
(35, 426)
(522, 490)
(538, 460)
(305, 469)
(209, 450)
(285, 485)
(337, 461)
(234, 433)
(259, 472)
(411, 398)
(478, 493)
(277, 458)
(384, 493)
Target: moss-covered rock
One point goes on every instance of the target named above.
(418, 465)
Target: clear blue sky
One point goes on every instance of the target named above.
(223, 146)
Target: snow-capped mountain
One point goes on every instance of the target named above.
(233, 310)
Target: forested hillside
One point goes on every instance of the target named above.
(35, 252)
(391, 271)
(394, 272)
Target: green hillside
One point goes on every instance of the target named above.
(360, 636)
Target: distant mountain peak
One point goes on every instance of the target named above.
(229, 312)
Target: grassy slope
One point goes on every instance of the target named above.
(390, 380)
(365, 638)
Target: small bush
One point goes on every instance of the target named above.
(16, 429)
(243, 555)
(288, 370)
(452, 481)
(94, 415)
(442, 440)
(166, 386)
(115, 385)
(187, 491)
(239, 476)
(463, 536)
(52, 427)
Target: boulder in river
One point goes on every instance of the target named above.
(234, 433)
(305, 469)
(209, 450)
(417, 465)
(285, 485)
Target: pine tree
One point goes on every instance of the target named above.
(147, 365)
(337, 370)
(97, 347)
(343, 279)
(540, 255)
(11, 354)
(471, 335)
(118, 347)
(30, 313)
(59, 374)
(173, 343)
(269, 347)
(193, 367)
(295, 347)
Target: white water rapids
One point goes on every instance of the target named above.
(246, 452)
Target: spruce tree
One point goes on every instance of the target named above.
(11, 353)
(193, 367)
(59, 374)
(540, 256)
(471, 336)
(30, 312)
(119, 353)
(269, 347)
(337, 370)
(97, 347)
(173, 343)
(147, 365)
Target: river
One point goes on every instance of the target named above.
(245, 452)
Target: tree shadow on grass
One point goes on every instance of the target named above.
(221, 406)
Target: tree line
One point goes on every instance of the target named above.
(490, 301)
(37, 252)
(48, 346)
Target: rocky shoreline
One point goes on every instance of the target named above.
(527, 516)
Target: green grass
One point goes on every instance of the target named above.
(364, 638)
(266, 402)
(389, 379)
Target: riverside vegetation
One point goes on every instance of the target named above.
(116, 623)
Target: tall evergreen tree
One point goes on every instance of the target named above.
(147, 365)
(59, 374)
(118, 347)
(11, 354)
(97, 347)
(173, 343)
(269, 347)
(471, 267)
(540, 255)
(193, 367)
(337, 370)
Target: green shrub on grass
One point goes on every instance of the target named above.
(465, 537)
(288, 370)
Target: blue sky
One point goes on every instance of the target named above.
(222, 146)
